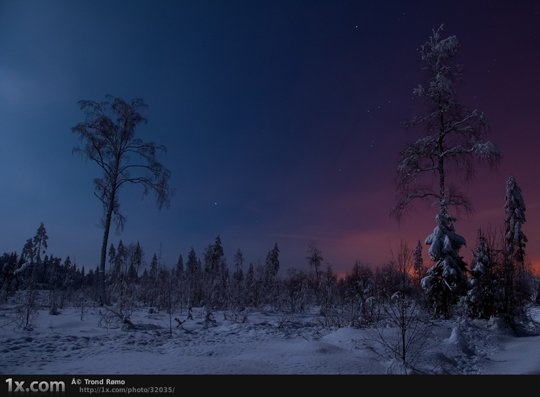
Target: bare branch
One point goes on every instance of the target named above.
(455, 126)
(408, 197)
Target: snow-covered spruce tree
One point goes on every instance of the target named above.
(179, 268)
(314, 260)
(454, 139)
(130, 286)
(445, 281)
(59, 282)
(179, 282)
(152, 287)
(271, 268)
(193, 280)
(8, 280)
(31, 261)
(117, 256)
(166, 297)
(516, 288)
(40, 242)
(237, 286)
(480, 297)
(123, 279)
(136, 256)
(297, 291)
(251, 288)
(537, 299)
(215, 275)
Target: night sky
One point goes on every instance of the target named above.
(282, 119)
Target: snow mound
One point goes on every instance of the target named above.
(457, 339)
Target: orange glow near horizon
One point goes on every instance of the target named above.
(535, 267)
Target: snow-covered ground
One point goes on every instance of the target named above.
(517, 355)
(266, 343)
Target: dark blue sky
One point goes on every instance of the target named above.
(282, 119)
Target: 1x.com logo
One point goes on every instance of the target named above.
(43, 386)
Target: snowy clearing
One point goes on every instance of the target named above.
(267, 343)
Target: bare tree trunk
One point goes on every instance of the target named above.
(102, 296)
(440, 168)
(442, 188)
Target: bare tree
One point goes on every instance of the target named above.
(455, 134)
(359, 286)
(404, 316)
(454, 141)
(109, 140)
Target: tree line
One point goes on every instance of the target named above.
(498, 284)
